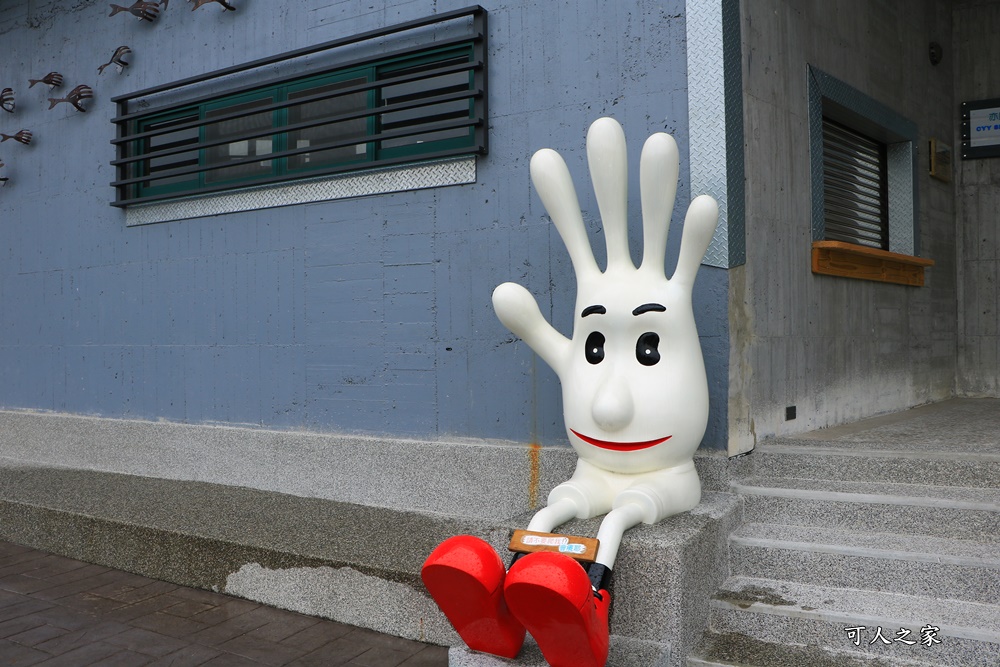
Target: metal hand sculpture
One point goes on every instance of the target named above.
(635, 402)
(23, 137)
(144, 11)
(52, 80)
(116, 59)
(7, 99)
(75, 97)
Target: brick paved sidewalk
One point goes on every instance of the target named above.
(60, 611)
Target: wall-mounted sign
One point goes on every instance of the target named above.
(981, 129)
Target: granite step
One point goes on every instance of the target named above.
(331, 559)
(909, 564)
(622, 652)
(944, 632)
(877, 461)
(861, 538)
(356, 564)
(732, 649)
(893, 507)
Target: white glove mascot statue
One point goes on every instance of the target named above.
(635, 401)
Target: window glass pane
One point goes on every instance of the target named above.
(355, 129)
(243, 146)
(419, 109)
(167, 141)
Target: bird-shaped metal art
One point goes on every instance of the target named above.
(7, 99)
(52, 79)
(23, 136)
(75, 97)
(3, 179)
(116, 59)
(225, 5)
(144, 11)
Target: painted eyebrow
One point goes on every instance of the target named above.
(649, 307)
(593, 310)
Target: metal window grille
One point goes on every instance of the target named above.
(425, 99)
(855, 187)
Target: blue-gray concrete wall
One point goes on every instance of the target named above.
(367, 315)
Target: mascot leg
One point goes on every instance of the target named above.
(564, 607)
(465, 576)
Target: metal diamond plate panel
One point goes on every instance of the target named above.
(736, 177)
(378, 181)
(901, 198)
(816, 156)
(715, 113)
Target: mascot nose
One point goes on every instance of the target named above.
(613, 408)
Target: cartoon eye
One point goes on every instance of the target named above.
(645, 349)
(595, 347)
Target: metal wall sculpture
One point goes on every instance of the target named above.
(75, 97)
(200, 3)
(144, 11)
(117, 59)
(23, 137)
(52, 80)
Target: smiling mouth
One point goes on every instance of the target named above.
(619, 446)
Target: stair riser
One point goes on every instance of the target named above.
(889, 469)
(948, 522)
(785, 629)
(622, 652)
(944, 580)
(191, 560)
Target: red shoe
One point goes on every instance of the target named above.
(551, 595)
(465, 577)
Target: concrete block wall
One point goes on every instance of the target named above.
(977, 189)
(837, 349)
(366, 315)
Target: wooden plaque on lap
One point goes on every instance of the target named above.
(579, 548)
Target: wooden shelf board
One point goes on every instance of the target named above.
(847, 260)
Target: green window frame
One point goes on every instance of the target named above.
(353, 103)
(401, 93)
(219, 125)
(186, 136)
(416, 105)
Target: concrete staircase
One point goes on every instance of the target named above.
(862, 532)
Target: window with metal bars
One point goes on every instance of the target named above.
(410, 105)
(863, 173)
(855, 187)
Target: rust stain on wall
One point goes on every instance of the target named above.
(534, 457)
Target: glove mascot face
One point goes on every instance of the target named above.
(635, 397)
(635, 403)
